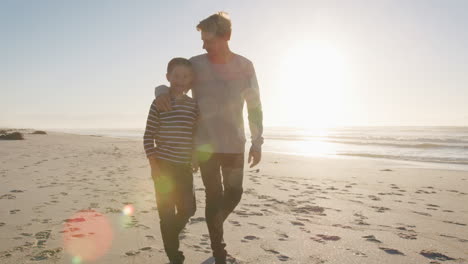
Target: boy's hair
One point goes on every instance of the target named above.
(177, 62)
(218, 24)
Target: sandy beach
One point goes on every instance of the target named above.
(68, 198)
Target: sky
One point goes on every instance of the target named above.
(94, 64)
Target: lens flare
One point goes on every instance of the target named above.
(163, 184)
(204, 152)
(128, 210)
(87, 236)
(76, 260)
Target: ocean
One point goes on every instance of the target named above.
(435, 145)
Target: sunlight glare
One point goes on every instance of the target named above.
(315, 78)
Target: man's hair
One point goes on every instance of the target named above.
(178, 61)
(218, 24)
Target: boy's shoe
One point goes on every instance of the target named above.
(178, 259)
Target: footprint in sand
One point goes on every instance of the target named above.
(392, 251)
(234, 223)
(297, 223)
(380, 209)
(422, 213)
(113, 210)
(251, 237)
(322, 238)
(8, 196)
(280, 256)
(435, 255)
(149, 237)
(408, 236)
(372, 238)
(454, 223)
(342, 226)
(205, 237)
(132, 252)
(47, 254)
(282, 236)
(42, 237)
(374, 198)
(14, 211)
(360, 220)
(462, 240)
(357, 253)
(283, 257)
(197, 220)
(146, 248)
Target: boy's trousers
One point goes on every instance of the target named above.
(175, 198)
(222, 175)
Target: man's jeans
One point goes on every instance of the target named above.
(222, 176)
(174, 190)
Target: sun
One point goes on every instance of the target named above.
(314, 78)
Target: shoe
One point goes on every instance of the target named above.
(220, 259)
(179, 259)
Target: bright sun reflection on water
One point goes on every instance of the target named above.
(303, 142)
(312, 148)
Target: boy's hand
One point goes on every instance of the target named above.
(163, 102)
(155, 173)
(195, 165)
(154, 168)
(254, 157)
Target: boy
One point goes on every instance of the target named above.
(172, 131)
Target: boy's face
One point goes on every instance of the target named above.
(180, 78)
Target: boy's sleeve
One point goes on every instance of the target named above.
(152, 127)
(254, 108)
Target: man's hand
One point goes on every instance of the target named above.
(254, 157)
(163, 102)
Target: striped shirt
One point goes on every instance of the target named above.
(169, 135)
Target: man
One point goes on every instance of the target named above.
(224, 81)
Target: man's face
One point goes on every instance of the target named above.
(180, 78)
(212, 43)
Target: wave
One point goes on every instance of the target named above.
(449, 138)
(374, 142)
(409, 158)
(401, 145)
(403, 138)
